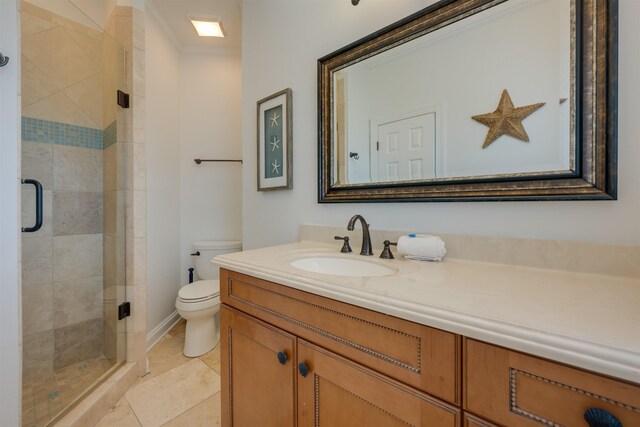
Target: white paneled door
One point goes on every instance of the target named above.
(406, 149)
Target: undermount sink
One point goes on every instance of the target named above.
(338, 266)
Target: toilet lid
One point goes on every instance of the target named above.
(199, 290)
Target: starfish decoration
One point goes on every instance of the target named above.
(276, 166)
(506, 120)
(274, 119)
(275, 143)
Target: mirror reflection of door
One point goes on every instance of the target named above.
(404, 149)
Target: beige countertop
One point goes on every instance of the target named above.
(587, 320)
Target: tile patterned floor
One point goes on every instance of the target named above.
(45, 397)
(179, 391)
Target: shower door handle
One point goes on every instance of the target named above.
(38, 223)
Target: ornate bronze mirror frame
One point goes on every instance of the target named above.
(593, 171)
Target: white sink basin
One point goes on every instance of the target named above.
(338, 266)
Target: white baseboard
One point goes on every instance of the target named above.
(160, 331)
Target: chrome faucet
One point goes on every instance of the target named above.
(366, 238)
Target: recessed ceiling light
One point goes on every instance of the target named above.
(208, 27)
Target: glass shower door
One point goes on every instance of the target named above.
(73, 267)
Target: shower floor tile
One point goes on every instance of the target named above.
(45, 397)
(169, 371)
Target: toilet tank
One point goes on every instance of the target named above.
(210, 249)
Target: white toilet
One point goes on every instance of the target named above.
(199, 302)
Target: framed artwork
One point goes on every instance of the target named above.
(275, 160)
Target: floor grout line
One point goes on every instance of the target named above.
(170, 355)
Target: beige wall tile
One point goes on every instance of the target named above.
(39, 318)
(33, 22)
(163, 398)
(90, 44)
(114, 165)
(87, 96)
(114, 261)
(77, 342)
(37, 355)
(139, 115)
(136, 159)
(37, 260)
(32, 9)
(77, 256)
(137, 218)
(34, 83)
(77, 300)
(37, 162)
(76, 212)
(82, 25)
(136, 261)
(139, 307)
(59, 108)
(58, 56)
(124, 30)
(113, 213)
(139, 86)
(77, 169)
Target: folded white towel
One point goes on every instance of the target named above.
(422, 247)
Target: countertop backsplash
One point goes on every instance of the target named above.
(565, 255)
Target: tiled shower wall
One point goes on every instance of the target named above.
(69, 135)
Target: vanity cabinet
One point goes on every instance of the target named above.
(293, 358)
(343, 365)
(515, 389)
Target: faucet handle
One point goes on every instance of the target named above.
(386, 252)
(345, 247)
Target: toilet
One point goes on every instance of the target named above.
(199, 302)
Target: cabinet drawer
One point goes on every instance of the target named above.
(337, 392)
(473, 421)
(514, 389)
(417, 355)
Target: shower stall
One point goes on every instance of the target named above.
(73, 216)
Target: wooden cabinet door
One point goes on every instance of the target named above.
(258, 388)
(336, 392)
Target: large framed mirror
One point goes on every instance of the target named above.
(474, 100)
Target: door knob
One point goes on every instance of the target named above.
(304, 369)
(282, 358)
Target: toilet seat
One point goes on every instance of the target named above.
(199, 291)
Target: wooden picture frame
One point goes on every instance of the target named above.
(274, 133)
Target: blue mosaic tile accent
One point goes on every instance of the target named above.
(47, 132)
(110, 135)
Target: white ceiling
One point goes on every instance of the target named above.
(174, 17)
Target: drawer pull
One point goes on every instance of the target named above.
(304, 370)
(597, 417)
(282, 358)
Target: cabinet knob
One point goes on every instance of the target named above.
(304, 369)
(282, 358)
(597, 417)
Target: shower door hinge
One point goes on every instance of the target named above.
(124, 310)
(123, 99)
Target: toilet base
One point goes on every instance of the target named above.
(201, 335)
